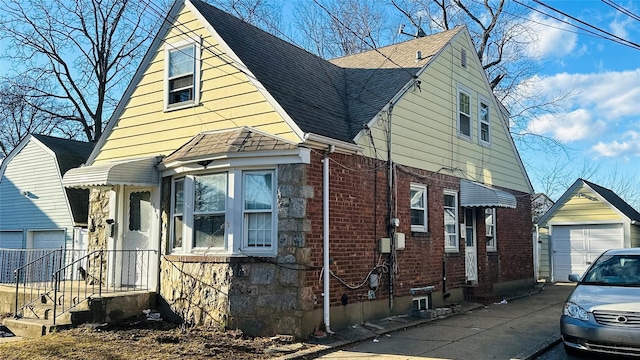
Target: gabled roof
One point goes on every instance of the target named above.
(605, 194)
(615, 200)
(329, 98)
(333, 99)
(68, 154)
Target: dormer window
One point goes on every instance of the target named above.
(182, 70)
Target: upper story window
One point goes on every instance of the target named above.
(464, 114)
(490, 227)
(418, 208)
(225, 212)
(450, 221)
(182, 74)
(484, 123)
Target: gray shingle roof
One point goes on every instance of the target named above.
(329, 98)
(208, 144)
(615, 200)
(71, 154)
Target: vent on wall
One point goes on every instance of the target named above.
(463, 58)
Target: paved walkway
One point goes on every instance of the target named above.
(520, 329)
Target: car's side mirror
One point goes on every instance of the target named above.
(574, 277)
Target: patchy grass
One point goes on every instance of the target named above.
(139, 340)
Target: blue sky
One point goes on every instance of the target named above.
(598, 124)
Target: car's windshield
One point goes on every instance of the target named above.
(617, 270)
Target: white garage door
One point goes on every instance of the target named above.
(576, 246)
(47, 239)
(10, 239)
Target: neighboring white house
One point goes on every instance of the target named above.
(587, 220)
(36, 211)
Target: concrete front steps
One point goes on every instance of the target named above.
(109, 308)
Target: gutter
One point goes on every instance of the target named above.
(339, 146)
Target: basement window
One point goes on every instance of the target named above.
(421, 303)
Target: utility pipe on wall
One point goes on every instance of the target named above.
(325, 204)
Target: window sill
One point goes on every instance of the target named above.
(179, 106)
(224, 259)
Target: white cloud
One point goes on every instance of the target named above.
(619, 28)
(600, 102)
(628, 145)
(567, 127)
(608, 95)
(552, 38)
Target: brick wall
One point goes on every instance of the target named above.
(359, 218)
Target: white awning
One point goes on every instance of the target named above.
(474, 194)
(134, 172)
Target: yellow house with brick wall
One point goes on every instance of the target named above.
(250, 168)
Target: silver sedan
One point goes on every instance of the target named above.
(602, 314)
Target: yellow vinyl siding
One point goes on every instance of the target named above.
(424, 126)
(634, 235)
(228, 99)
(544, 271)
(584, 206)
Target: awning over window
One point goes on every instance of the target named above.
(473, 194)
(134, 172)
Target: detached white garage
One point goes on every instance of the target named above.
(587, 220)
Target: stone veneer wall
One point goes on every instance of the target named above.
(260, 296)
(98, 227)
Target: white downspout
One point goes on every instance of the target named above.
(325, 202)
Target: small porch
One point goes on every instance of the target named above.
(61, 288)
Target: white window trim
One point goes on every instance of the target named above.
(480, 122)
(492, 246)
(196, 76)
(234, 236)
(425, 197)
(274, 215)
(174, 214)
(463, 90)
(447, 247)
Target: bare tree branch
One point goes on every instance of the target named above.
(83, 50)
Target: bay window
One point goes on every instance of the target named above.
(228, 212)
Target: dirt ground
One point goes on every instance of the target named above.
(141, 338)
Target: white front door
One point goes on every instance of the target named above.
(136, 233)
(471, 257)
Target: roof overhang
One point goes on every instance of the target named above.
(322, 142)
(133, 172)
(474, 194)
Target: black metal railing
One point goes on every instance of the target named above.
(12, 259)
(67, 280)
